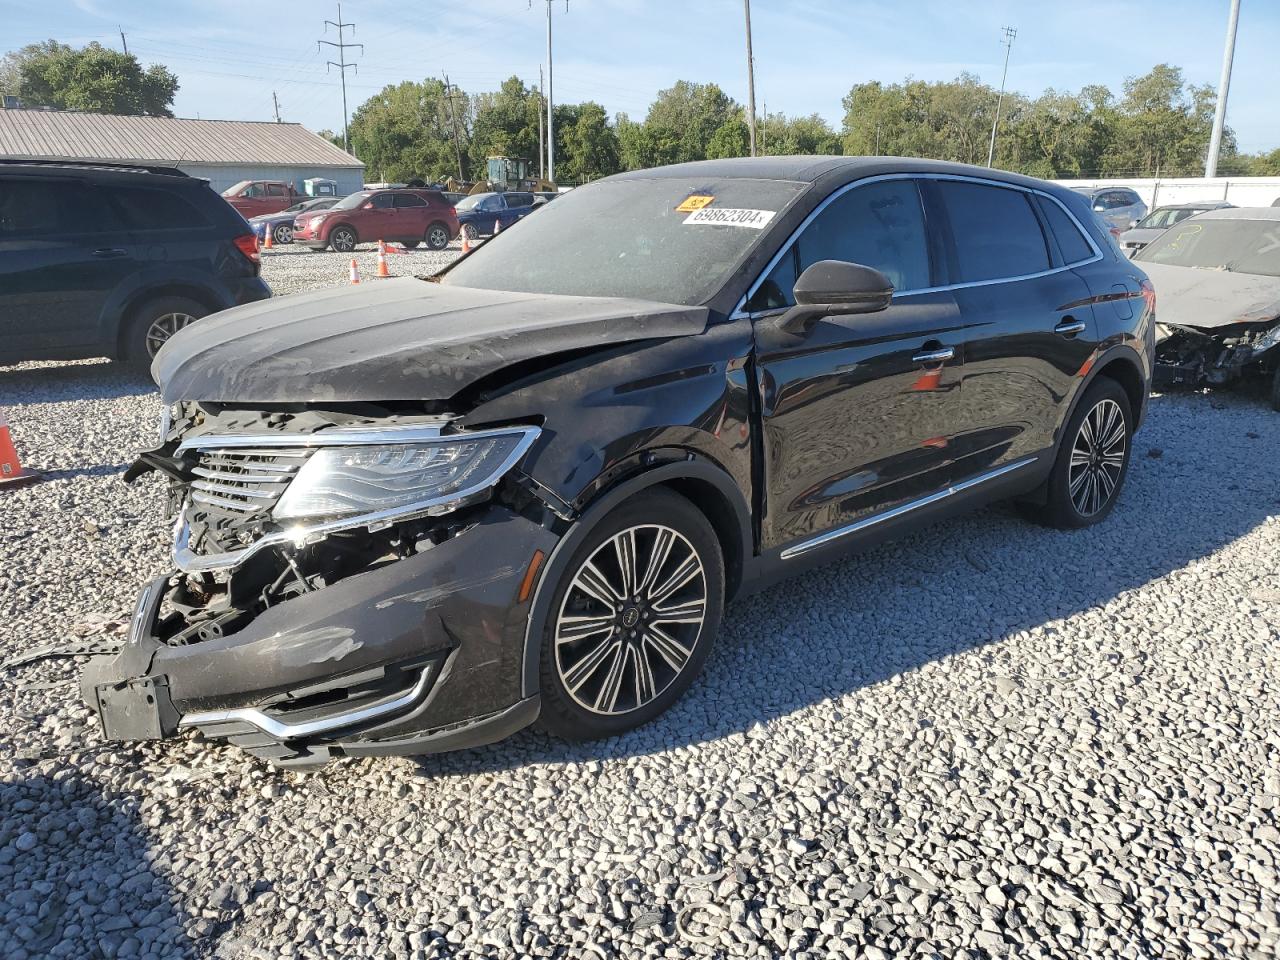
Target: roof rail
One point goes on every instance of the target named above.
(93, 164)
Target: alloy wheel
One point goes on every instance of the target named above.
(343, 240)
(630, 620)
(469, 231)
(437, 238)
(283, 234)
(1097, 458)
(163, 327)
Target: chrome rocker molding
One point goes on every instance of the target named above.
(807, 545)
(188, 561)
(292, 731)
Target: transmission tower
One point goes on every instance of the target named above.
(341, 45)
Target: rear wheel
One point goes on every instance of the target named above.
(410, 244)
(283, 233)
(469, 231)
(1093, 459)
(152, 324)
(343, 239)
(633, 618)
(437, 236)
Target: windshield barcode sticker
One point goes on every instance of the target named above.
(730, 217)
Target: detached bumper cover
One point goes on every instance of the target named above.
(423, 654)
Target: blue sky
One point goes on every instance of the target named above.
(231, 54)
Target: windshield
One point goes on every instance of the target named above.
(234, 189)
(469, 203)
(352, 201)
(1241, 246)
(626, 238)
(1168, 216)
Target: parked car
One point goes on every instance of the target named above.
(281, 224)
(254, 198)
(420, 514)
(1219, 281)
(480, 213)
(1160, 220)
(106, 260)
(1118, 207)
(453, 196)
(404, 216)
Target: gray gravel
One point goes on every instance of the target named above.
(987, 740)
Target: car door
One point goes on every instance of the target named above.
(858, 414)
(252, 201)
(63, 252)
(278, 197)
(376, 220)
(518, 205)
(1028, 322)
(411, 214)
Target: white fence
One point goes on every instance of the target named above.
(1242, 191)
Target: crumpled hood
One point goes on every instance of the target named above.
(401, 339)
(1190, 297)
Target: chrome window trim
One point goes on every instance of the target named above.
(903, 509)
(740, 311)
(291, 731)
(189, 561)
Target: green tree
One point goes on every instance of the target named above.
(406, 131)
(1161, 126)
(590, 145)
(946, 120)
(779, 135)
(683, 120)
(94, 79)
(731, 139)
(506, 125)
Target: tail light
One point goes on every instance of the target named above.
(247, 243)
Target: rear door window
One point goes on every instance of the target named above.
(995, 232)
(277, 190)
(409, 200)
(382, 201)
(146, 209)
(519, 199)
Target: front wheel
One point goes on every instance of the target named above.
(632, 619)
(437, 236)
(343, 239)
(1093, 459)
(283, 233)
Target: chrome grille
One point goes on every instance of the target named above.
(245, 480)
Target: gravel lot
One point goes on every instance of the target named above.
(987, 740)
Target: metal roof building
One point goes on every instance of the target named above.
(222, 151)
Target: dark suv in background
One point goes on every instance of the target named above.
(419, 514)
(113, 260)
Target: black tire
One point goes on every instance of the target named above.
(437, 236)
(151, 325)
(1082, 493)
(469, 231)
(410, 244)
(343, 239)
(282, 233)
(657, 654)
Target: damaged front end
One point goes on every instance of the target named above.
(348, 582)
(1216, 356)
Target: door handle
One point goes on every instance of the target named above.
(940, 355)
(1070, 327)
(108, 252)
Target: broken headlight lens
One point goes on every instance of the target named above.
(1266, 341)
(363, 480)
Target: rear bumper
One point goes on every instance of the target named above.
(422, 655)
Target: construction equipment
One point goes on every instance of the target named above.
(510, 173)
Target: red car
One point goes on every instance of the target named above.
(254, 198)
(410, 217)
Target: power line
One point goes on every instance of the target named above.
(1010, 33)
(341, 46)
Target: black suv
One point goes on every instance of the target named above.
(421, 514)
(111, 261)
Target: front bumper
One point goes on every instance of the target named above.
(422, 655)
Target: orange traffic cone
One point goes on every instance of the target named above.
(497, 226)
(266, 237)
(466, 243)
(382, 260)
(11, 472)
(355, 271)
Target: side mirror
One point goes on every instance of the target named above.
(836, 288)
(1099, 208)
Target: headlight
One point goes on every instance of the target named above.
(341, 482)
(1266, 341)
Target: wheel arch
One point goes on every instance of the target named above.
(1123, 365)
(140, 298)
(706, 485)
(328, 234)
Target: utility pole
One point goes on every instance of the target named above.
(1224, 83)
(764, 128)
(342, 65)
(123, 42)
(751, 82)
(1010, 33)
(542, 157)
(551, 128)
(275, 102)
(453, 118)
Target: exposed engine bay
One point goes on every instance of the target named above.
(1193, 356)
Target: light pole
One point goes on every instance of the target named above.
(1224, 83)
(751, 82)
(1009, 34)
